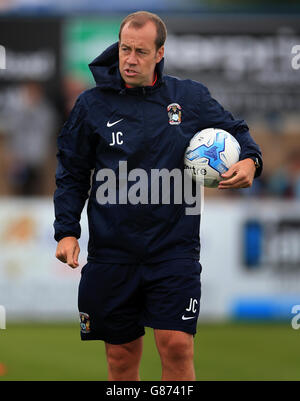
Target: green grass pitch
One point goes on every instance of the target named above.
(231, 351)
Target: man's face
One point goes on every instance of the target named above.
(138, 55)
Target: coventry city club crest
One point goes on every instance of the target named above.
(174, 113)
(84, 322)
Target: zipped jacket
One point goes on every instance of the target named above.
(149, 128)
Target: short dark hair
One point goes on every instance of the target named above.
(140, 18)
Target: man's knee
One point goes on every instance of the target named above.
(175, 346)
(123, 357)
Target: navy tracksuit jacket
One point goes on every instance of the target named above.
(133, 233)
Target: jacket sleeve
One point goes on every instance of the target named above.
(214, 116)
(75, 161)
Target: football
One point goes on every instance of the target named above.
(211, 152)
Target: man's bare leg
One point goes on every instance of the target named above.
(124, 360)
(176, 349)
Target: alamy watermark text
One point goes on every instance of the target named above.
(296, 318)
(157, 186)
(2, 58)
(296, 58)
(2, 318)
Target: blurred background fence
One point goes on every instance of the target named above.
(246, 55)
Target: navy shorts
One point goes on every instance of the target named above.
(116, 301)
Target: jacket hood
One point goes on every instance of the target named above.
(105, 70)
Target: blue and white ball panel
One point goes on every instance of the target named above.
(210, 153)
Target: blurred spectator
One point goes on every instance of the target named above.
(6, 4)
(72, 88)
(285, 181)
(4, 184)
(31, 123)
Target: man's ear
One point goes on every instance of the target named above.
(160, 53)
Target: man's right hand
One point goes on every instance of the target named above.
(67, 251)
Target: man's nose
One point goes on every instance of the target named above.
(131, 59)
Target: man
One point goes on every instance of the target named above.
(143, 259)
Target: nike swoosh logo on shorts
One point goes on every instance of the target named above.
(187, 317)
(111, 124)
